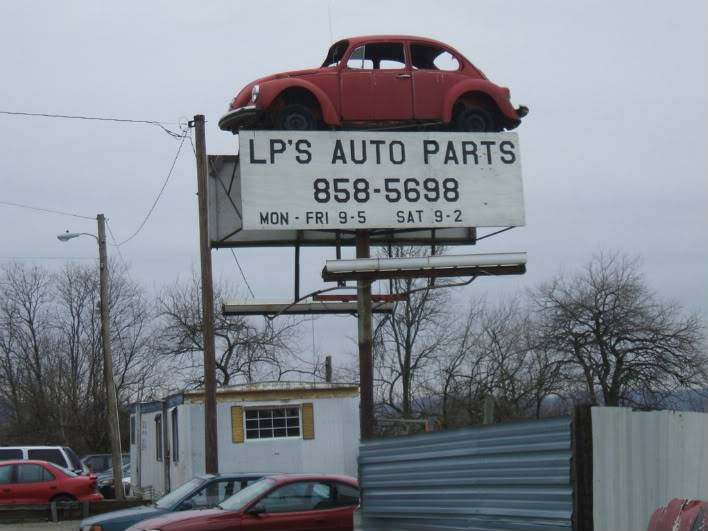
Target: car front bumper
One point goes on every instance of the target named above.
(239, 117)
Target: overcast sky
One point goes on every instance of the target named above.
(613, 150)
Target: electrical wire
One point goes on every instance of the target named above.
(161, 125)
(159, 195)
(115, 244)
(49, 210)
(243, 275)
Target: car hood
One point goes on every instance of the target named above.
(183, 517)
(124, 516)
(292, 73)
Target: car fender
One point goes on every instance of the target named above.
(270, 90)
(482, 86)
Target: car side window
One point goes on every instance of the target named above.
(215, 492)
(299, 496)
(52, 455)
(10, 453)
(32, 473)
(347, 495)
(426, 57)
(378, 56)
(5, 474)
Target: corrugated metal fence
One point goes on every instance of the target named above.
(512, 476)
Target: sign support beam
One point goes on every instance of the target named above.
(366, 372)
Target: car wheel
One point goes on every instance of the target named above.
(475, 119)
(295, 118)
(63, 498)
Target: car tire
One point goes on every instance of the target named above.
(475, 119)
(295, 118)
(63, 498)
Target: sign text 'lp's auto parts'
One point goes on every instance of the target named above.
(387, 180)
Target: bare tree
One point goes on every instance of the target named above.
(407, 341)
(247, 350)
(617, 338)
(51, 365)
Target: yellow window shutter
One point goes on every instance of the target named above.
(237, 424)
(308, 422)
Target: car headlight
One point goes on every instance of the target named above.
(92, 527)
(255, 91)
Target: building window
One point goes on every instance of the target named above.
(132, 429)
(272, 423)
(175, 437)
(158, 437)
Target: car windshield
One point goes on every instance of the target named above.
(335, 54)
(180, 492)
(243, 497)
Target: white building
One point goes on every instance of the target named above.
(275, 427)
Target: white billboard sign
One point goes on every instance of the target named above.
(386, 180)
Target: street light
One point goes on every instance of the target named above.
(113, 426)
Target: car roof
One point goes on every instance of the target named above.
(228, 475)
(287, 478)
(376, 38)
(28, 462)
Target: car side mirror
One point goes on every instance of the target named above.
(186, 505)
(257, 509)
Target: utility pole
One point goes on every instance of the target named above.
(366, 371)
(211, 449)
(113, 425)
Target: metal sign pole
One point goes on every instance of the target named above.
(366, 372)
(210, 434)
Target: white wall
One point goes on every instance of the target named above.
(641, 460)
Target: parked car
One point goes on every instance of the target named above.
(680, 514)
(200, 492)
(105, 482)
(32, 481)
(378, 80)
(62, 456)
(275, 503)
(98, 463)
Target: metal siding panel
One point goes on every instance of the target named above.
(643, 459)
(511, 476)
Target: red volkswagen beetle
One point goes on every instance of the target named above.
(377, 82)
(276, 503)
(28, 481)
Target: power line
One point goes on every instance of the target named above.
(156, 123)
(159, 195)
(29, 207)
(243, 274)
(48, 258)
(115, 244)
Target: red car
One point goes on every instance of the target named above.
(378, 81)
(276, 503)
(28, 481)
(680, 515)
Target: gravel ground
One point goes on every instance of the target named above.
(67, 525)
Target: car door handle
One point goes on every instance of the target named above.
(403, 76)
(52, 488)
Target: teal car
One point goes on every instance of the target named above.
(198, 493)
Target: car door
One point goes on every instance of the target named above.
(7, 491)
(376, 83)
(297, 506)
(435, 70)
(34, 484)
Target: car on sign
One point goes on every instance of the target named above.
(377, 82)
(275, 503)
(202, 491)
(32, 481)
